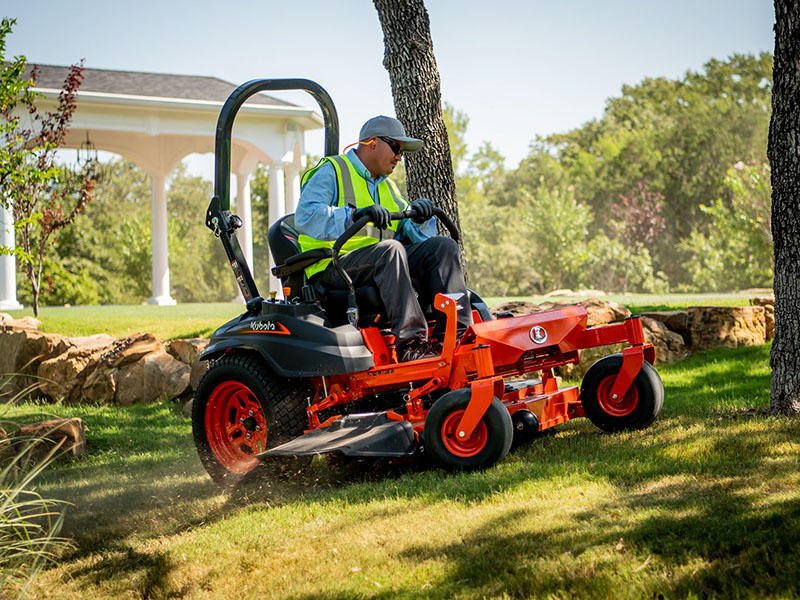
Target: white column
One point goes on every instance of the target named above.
(277, 209)
(8, 264)
(158, 221)
(245, 234)
(292, 188)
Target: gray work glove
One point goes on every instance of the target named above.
(423, 208)
(376, 213)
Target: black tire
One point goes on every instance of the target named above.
(242, 408)
(489, 442)
(637, 409)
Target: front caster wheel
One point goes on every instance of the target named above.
(636, 409)
(489, 442)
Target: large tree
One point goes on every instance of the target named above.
(417, 96)
(784, 157)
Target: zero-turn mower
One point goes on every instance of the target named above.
(316, 372)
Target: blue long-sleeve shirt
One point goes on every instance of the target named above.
(319, 216)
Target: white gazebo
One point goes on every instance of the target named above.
(156, 120)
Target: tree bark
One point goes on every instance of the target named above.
(784, 158)
(417, 96)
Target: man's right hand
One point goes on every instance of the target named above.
(376, 213)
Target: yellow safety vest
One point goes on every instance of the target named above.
(353, 190)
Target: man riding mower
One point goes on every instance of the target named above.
(318, 371)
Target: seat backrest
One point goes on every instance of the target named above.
(283, 243)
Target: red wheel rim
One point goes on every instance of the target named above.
(616, 407)
(235, 426)
(462, 448)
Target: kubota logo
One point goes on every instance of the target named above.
(538, 334)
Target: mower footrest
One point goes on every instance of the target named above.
(371, 434)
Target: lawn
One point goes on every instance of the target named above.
(705, 503)
(200, 320)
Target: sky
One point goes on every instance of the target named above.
(517, 68)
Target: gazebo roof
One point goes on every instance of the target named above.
(136, 83)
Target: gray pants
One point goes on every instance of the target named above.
(434, 264)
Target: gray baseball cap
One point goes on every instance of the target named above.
(382, 126)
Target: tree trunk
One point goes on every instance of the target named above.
(784, 158)
(417, 96)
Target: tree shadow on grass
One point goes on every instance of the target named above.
(723, 522)
(145, 573)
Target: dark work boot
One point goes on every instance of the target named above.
(416, 349)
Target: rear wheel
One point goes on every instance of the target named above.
(242, 408)
(489, 442)
(636, 409)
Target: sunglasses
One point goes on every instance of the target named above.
(394, 145)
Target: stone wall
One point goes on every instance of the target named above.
(140, 368)
(97, 368)
(675, 334)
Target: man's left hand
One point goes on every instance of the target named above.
(423, 208)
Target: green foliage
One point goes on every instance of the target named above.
(645, 172)
(199, 271)
(106, 257)
(558, 228)
(680, 136)
(735, 250)
(456, 124)
(110, 242)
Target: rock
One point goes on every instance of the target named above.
(763, 300)
(100, 385)
(21, 353)
(768, 302)
(23, 323)
(727, 326)
(599, 311)
(188, 351)
(769, 320)
(604, 311)
(562, 292)
(12, 345)
(64, 376)
(96, 341)
(155, 376)
(670, 346)
(516, 308)
(187, 407)
(675, 320)
(130, 349)
(61, 437)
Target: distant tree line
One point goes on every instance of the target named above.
(667, 191)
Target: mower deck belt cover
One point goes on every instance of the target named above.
(369, 434)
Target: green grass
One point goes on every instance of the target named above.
(164, 322)
(200, 320)
(704, 503)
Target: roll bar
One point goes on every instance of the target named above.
(218, 216)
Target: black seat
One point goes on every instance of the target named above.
(290, 266)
